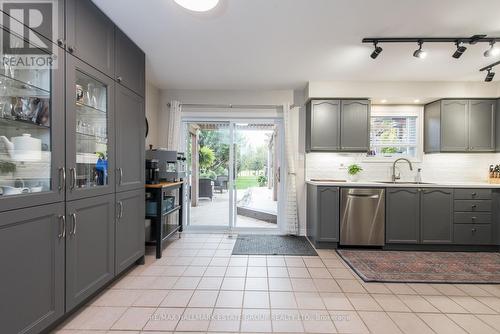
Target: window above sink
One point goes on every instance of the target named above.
(395, 132)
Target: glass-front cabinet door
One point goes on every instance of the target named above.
(89, 131)
(31, 123)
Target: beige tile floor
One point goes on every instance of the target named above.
(199, 287)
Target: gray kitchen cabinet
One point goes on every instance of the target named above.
(89, 247)
(323, 125)
(402, 216)
(436, 212)
(497, 126)
(43, 168)
(323, 215)
(90, 35)
(354, 125)
(90, 131)
(130, 140)
(461, 126)
(432, 127)
(454, 125)
(32, 257)
(473, 234)
(482, 125)
(337, 125)
(129, 228)
(129, 63)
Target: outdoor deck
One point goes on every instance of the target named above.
(216, 212)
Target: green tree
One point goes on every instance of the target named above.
(206, 157)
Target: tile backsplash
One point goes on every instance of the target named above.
(451, 167)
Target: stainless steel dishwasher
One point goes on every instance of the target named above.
(362, 217)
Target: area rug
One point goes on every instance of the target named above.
(423, 267)
(250, 244)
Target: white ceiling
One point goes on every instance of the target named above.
(282, 44)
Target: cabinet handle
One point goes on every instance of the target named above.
(120, 175)
(474, 206)
(119, 79)
(73, 218)
(72, 172)
(71, 49)
(62, 178)
(60, 42)
(120, 212)
(473, 219)
(473, 230)
(62, 233)
(473, 194)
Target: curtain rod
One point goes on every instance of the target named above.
(233, 106)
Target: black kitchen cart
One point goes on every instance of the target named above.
(162, 231)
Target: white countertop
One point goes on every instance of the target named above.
(440, 184)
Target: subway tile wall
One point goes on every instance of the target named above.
(451, 167)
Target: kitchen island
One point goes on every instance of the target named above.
(426, 216)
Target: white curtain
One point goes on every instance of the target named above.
(292, 221)
(174, 126)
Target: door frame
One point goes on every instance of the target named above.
(281, 221)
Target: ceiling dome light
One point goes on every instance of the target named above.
(460, 50)
(419, 53)
(492, 51)
(489, 76)
(378, 50)
(198, 5)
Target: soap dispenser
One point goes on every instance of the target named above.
(418, 176)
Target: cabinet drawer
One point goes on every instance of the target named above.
(472, 194)
(472, 218)
(473, 205)
(472, 234)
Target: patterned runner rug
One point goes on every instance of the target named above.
(424, 267)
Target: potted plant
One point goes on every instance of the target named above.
(353, 172)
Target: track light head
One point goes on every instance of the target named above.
(489, 76)
(492, 51)
(459, 51)
(376, 51)
(419, 53)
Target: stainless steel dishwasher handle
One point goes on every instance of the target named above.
(363, 196)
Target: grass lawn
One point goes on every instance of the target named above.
(243, 182)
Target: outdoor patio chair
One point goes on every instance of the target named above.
(221, 183)
(206, 187)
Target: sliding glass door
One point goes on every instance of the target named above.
(234, 172)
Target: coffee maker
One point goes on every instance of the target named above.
(171, 164)
(152, 171)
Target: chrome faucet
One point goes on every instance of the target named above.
(397, 177)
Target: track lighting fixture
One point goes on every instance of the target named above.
(419, 53)
(376, 51)
(489, 76)
(459, 51)
(492, 51)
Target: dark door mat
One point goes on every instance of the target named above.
(249, 244)
(423, 267)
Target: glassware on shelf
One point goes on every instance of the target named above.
(91, 143)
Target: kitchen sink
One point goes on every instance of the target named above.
(403, 182)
